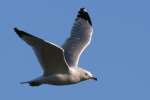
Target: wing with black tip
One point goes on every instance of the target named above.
(50, 56)
(79, 39)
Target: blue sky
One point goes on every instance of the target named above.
(119, 54)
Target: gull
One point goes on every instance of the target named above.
(60, 63)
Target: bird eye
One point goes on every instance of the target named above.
(86, 74)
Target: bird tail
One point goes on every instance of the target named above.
(31, 83)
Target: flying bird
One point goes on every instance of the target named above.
(60, 63)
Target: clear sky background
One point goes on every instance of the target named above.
(119, 54)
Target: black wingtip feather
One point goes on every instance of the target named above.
(19, 33)
(84, 14)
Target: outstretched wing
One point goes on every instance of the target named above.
(50, 56)
(79, 39)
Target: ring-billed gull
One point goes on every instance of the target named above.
(60, 64)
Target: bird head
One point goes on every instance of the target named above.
(86, 75)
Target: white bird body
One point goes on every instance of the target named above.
(60, 64)
(72, 77)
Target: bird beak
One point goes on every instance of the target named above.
(94, 78)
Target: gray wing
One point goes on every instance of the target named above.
(50, 56)
(80, 38)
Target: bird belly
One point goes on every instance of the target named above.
(61, 80)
